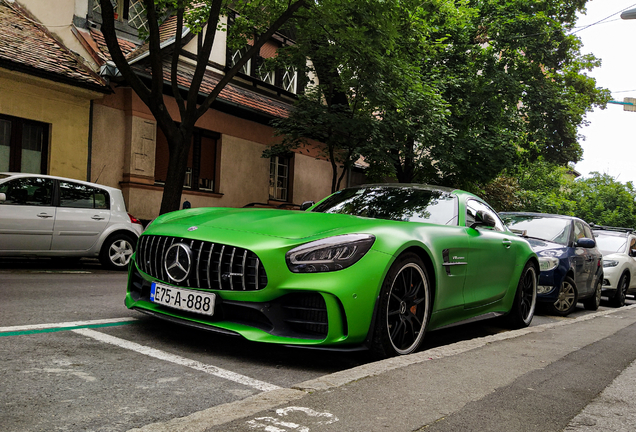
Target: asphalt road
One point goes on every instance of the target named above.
(75, 359)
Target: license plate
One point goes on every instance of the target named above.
(184, 299)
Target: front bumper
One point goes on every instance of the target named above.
(331, 308)
(549, 284)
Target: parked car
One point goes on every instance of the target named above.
(373, 266)
(47, 216)
(618, 246)
(571, 269)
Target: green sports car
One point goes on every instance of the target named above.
(373, 266)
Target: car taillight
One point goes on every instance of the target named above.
(134, 219)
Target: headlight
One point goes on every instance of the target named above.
(548, 263)
(610, 263)
(330, 254)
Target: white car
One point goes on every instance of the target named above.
(618, 246)
(42, 215)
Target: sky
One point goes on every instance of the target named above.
(610, 138)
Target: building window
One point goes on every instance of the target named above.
(238, 55)
(266, 75)
(132, 11)
(201, 172)
(279, 175)
(24, 145)
(290, 79)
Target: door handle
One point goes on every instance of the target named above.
(96, 217)
(506, 243)
(44, 215)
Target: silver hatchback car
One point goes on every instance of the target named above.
(42, 215)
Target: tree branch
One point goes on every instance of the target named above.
(282, 19)
(110, 37)
(175, 59)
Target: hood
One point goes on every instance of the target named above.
(287, 224)
(540, 246)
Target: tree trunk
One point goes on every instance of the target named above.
(179, 148)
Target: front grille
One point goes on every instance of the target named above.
(213, 265)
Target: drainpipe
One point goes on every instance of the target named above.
(90, 142)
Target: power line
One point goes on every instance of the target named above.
(604, 19)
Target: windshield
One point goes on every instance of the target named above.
(556, 230)
(393, 203)
(610, 244)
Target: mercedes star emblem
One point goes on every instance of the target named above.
(178, 261)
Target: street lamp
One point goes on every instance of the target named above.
(629, 14)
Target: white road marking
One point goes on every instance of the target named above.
(266, 423)
(193, 364)
(63, 324)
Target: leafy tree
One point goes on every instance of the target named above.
(541, 187)
(256, 21)
(458, 91)
(516, 86)
(602, 200)
(366, 56)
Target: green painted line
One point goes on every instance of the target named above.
(59, 329)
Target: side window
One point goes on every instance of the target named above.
(473, 206)
(279, 178)
(75, 195)
(579, 230)
(33, 191)
(588, 232)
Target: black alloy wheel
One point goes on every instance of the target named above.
(525, 302)
(594, 302)
(566, 301)
(618, 299)
(404, 308)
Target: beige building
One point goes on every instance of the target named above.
(46, 94)
(111, 137)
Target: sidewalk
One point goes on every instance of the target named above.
(576, 375)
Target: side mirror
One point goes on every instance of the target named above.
(483, 218)
(632, 252)
(585, 243)
(3, 197)
(305, 205)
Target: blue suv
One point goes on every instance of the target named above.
(571, 265)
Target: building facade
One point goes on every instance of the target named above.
(112, 138)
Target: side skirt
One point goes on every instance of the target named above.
(485, 316)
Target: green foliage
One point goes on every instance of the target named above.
(458, 92)
(544, 187)
(602, 200)
(541, 187)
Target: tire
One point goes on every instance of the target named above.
(568, 296)
(618, 299)
(525, 301)
(404, 308)
(595, 301)
(117, 250)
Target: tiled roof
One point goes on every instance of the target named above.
(231, 93)
(127, 47)
(167, 31)
(26, 45)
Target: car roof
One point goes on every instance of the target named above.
(545, 215)
(12, 175)
(612, 231)
(411, 186)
